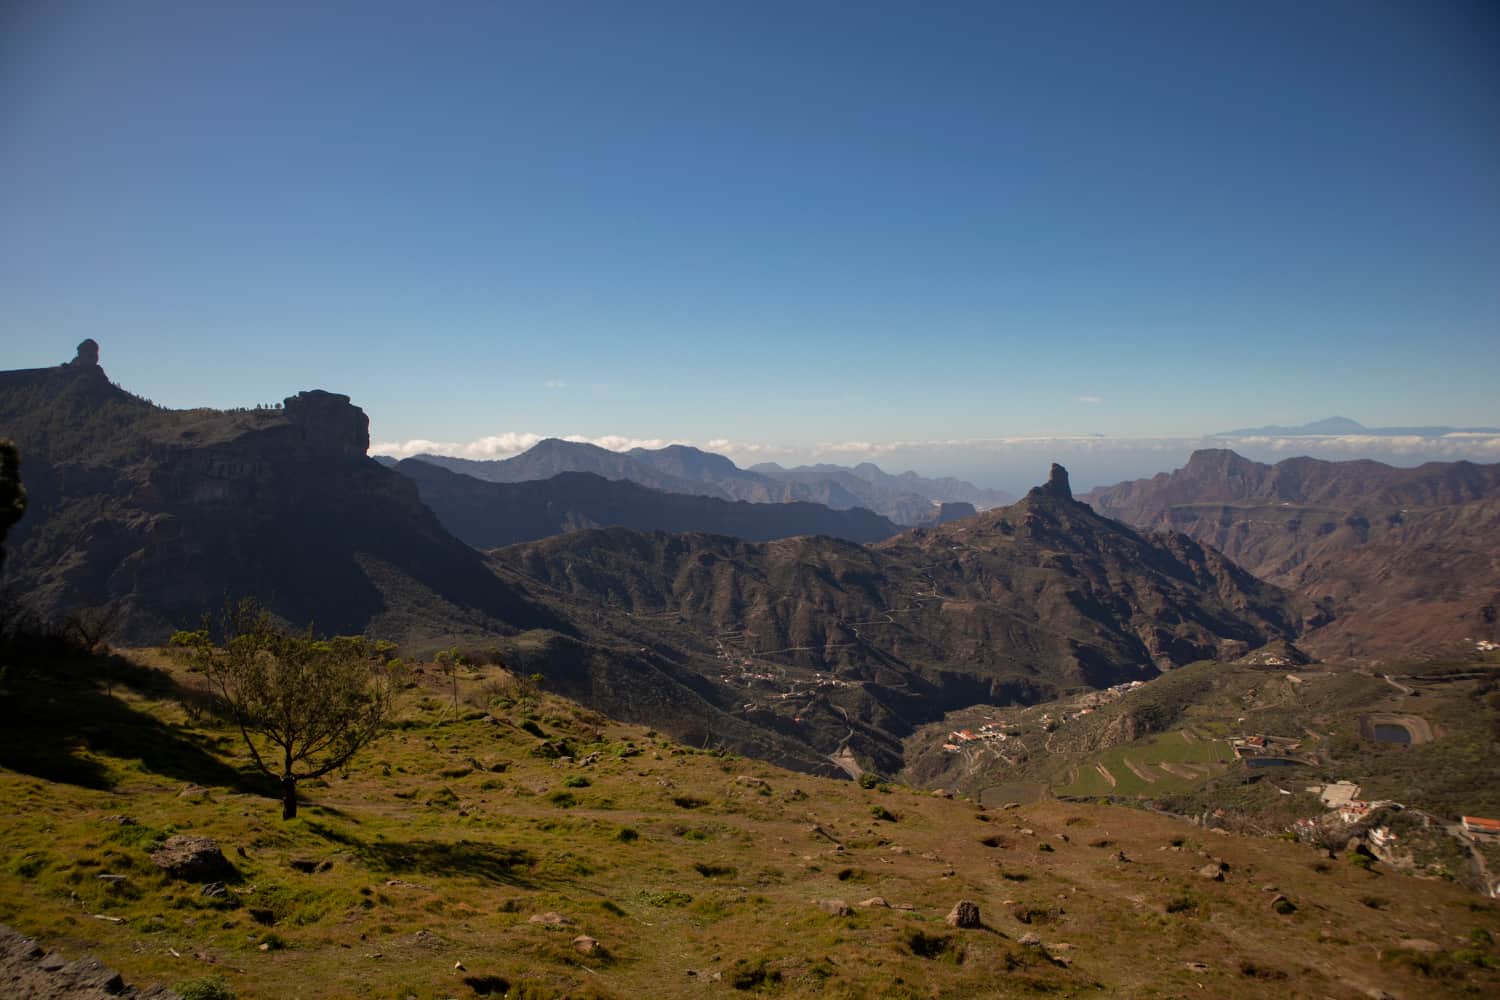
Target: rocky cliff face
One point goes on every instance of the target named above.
(329, 423)
(166, 513)
(1400, 561)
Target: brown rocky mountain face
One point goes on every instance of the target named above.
(166, 513)
(851, 646)
(1401, 560)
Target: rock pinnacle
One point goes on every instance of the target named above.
(1057, 483)
(88, 355)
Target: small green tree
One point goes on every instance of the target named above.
(448, 661)
(305, 706)
(528, 689)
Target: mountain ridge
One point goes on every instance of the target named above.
(162, 514)
(907, 499)
(850, 647)
(1401, 558)
(491, 515)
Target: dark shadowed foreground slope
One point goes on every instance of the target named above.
(490, 515)
(1403, 560)
(165, 513)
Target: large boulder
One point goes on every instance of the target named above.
(193, 859)
(964, 914)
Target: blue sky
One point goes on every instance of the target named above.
(775, 223)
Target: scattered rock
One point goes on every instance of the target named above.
(585, 945)
(550, 919)
(195, 792)
(874, 901)
(1120, 856)
(964, 914)
(817, 830)
(1283, 906)
(750, 781)
(215, 890)
(27, 971)
(401, 883)
(1421, 944)
(1031, 939)
(424, 939)
(834, 907)
(1213, 872)
(942, 793)
(194, 859)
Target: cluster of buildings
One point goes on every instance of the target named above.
(1343, 802)
(989, 731)
(1085, 704)
(1261, 745)
(1478, 826)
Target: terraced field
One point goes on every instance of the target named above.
(1169, 762)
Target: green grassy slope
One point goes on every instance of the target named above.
(421, 870)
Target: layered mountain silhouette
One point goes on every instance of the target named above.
(869, 480)
(907, 499)
(489, 515)
(848, 646)
(1401, 559)
(164, 514)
